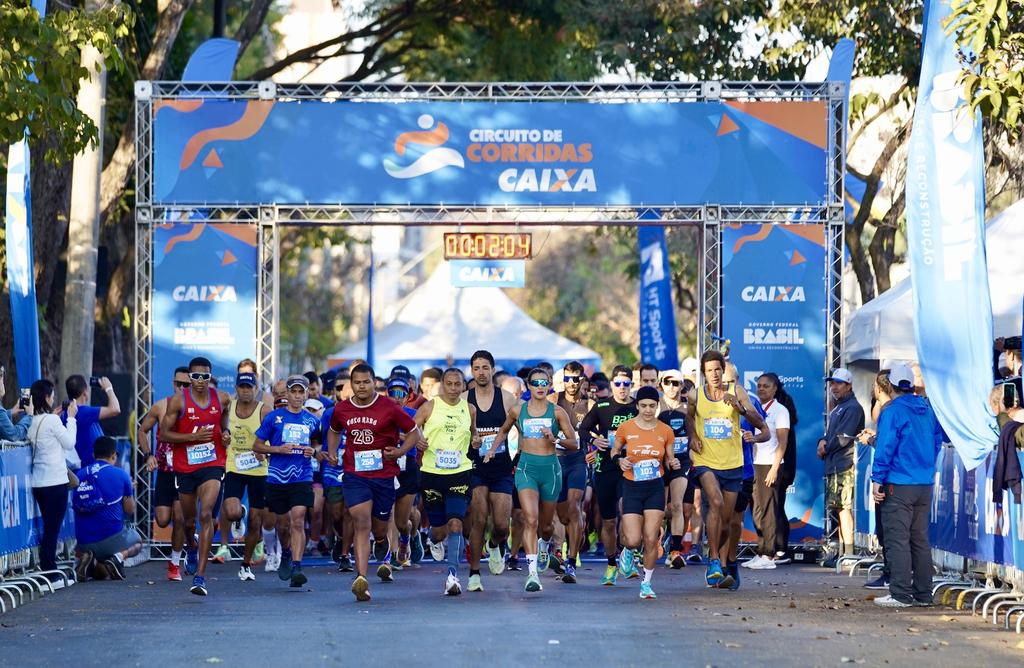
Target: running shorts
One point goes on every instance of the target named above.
(164, 492)
(542, 473)
(445, 496)
(729, 480)
(282, 498)
(608, 488)
(188, 483)
(381, 491)
(504, 483)
(236, 484)
(574, 476)
(640, 496)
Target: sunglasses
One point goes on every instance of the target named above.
(397, 394)
(540, 382)
(339, 388)
(195, 375)
(673, 383)
(570, 379)
(622, 383)
(181, 383)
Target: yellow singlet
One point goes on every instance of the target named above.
(241, 458)
(718, 427)
(448, 436)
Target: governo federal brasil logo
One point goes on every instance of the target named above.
(432, 159)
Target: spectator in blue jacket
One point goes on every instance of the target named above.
(906, 449)
(11, 428)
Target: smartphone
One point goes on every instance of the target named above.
(94, 381)
(1010, 398)
(26, 395)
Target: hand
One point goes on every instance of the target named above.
(866, 436)
(731, 400)
(475, 441)
(821, 449)
(772, 476)
(696, 445)
(105, 384)
(204, 433)
(674, 464)
(422, 444)
(546, 433)
(591, 457)
(625, 464)
(748, 437)
(308, 451)
(391, 453)
(489, 456)
(72, 408)
(600, 442)
(876, 492)
(260, 456)
(225, 437)
(16, 409)
(150, 463)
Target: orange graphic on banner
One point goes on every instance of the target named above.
(796, 259)
(726, 126)
(435, 137)
(212, 159)
(252, 120)
(806, 120)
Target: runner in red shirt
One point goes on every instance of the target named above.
(372, 424)
(196, 426)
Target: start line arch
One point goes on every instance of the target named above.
(718, 156)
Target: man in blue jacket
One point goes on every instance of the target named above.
(902, 474)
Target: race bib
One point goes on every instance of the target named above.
(487, 442)
(646, 469)
(532, 427)
(246, 461)
(717, 428)
(448, 459)
(680, 445)
(401, 462)
(611, 440)
(295, 434)
(200, 453)
(369, 460)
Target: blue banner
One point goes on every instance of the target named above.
(204, 299)
(657, 313)
(946, 245)
(488, 273)
(774, 314)
(21, 525)
(209, 150)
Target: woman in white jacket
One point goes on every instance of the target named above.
(51, 442)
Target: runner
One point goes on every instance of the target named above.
(538, 473)
(246, 470)
(644, 451)
(448, 423)
(372, 424)
(196, 426)
(713, 413)
(574, 469)
(165, 496)
(287, 435)
(598, 433)
(672, 411)
(399, 390)
(333, 480)
(493, 482)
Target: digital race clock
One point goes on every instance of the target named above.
(487, 246)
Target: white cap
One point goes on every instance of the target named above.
(313, 405)
(689, 367)
(901, 376)
(841, 376)
(673, 374)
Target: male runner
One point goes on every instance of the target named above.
(372, 424)
(598, 432)
(648, 376)
(196, 426)
(246, 470)
(672, 411)
(574, 468)
(449, 431)
(714, 413)
(334, 499)
(399, 390)
(165, 496)
(492, 482)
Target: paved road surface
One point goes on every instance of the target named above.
(793, 616)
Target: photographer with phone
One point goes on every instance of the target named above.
(1004, 401)
(11, 427)
(89, 417)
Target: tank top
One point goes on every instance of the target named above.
(530, 427)
(240, 457)
(190, 457)
(447, 431)
(646, 448)
(718, 427)
(488, 424)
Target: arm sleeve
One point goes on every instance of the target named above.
(885, 446)
(65, 435)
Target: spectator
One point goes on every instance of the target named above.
(11, 428)
(768, 457)
(51, 441)
(101, 502)
(881, 394)
(1007, 474)
(906, 449)
(787, 474)
(1010, 348)
(89, 417)
(845, 421)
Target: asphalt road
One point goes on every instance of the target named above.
(793, 616)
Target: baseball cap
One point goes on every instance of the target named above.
(246, 379)
(901, 376)
(689, 367)
(672, 374)
(841, 376)
(297, 379)
(400, 370)
(398, 381)
(313, 405)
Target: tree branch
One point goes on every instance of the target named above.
(883, 109)
(251, 25)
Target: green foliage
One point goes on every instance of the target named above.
(51, 49)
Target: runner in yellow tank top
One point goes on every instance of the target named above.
(448, 423)
(717, 453)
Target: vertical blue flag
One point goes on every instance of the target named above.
(20, 264)
(946, 241)
(369, 313)
(657, 316)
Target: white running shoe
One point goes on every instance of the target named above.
(437, 551)
(752, 563)
(452, 586)
(245, 574)
(475, 583)
(273, 562)
(495, 560)
(765, 564)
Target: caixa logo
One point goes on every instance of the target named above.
(773, 293)
(204, 293)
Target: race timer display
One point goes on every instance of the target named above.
(487, 246)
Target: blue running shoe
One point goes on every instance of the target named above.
(198, 586)
(627, 565)
(714, 573)
(191, 562)
(543, 556)
(646, 591)
(734, 571)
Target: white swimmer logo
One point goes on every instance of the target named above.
(430, 161)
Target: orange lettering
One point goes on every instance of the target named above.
(551, 153)
(585, 154)
(569, 153)
(526, 153)
(491, 152)
(508, 152)
(473, 152)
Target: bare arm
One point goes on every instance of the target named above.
(691, 422)
(128, 505)
(170, 417)
(499, 438)
(753, 417)
(113, 407)
(474, 437)
(422, 415)
(150, 420)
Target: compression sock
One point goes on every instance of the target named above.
(648, 572)
(454, 551)
(532, 559)
(474, 571)
(286, 556)
(403, 538)
(270, 541)
(676, 544)
(175, 557)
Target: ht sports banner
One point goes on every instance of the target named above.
(946, 245)
(657, 310)
(21, 525)
(210, 151)
(774, 313)
(204, 299)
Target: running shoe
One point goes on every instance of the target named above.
(115, 567)
(381, 549)
(890, 602)
(533, 583)
(732, 571)
(436, 551)
(495, 560)
(512, 563)
(881, 583)
(475, 584)
(416, 553)
(676, 560)
(345, 564)
(284, 571)
(222, 554)
(543, 556)
(259, 554)
(298, 578)
(173, 572)
(752, 563)
(646, 591)
(714, 573)
(198, 586)
(84, 565)
(570, 574)
(452, 587)
(272, 562)
(404, 556)
(384, 572)
(191, 561)
(627, 564)
(321, 547)
(611, 574)
(765, 564)
(361, 588)
(694, 557)
(245, 574)
(336, 552)
(558, 564)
